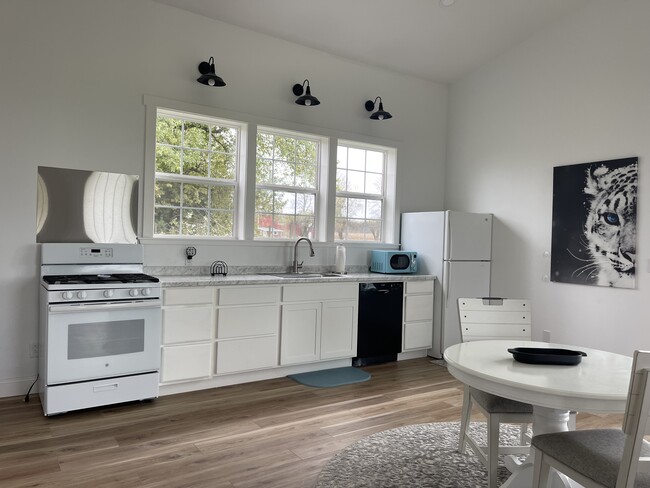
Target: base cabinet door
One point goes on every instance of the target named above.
(418, 315)
(186, 362)
(300, 333)
(418, 335)
(247, 354)
(339, 329)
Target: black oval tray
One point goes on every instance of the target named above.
(541, 355)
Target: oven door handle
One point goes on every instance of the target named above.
(92, 307)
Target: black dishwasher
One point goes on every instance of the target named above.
(380, 323)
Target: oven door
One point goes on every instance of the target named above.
(95, 340)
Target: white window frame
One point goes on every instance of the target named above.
(319, 198)
(154, 107)
(245, 205)
(388, 196)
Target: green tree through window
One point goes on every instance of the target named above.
(360, 191)
(286, 175)
(196, 176)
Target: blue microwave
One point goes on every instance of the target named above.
(393, 262)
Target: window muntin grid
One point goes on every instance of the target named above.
(195, 189)
(360, 193)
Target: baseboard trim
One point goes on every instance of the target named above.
(249, 376)
(16, 387)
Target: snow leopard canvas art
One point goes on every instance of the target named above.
(594, 223)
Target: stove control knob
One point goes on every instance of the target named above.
(82, 294)
(108, 293)
(146, 292)
(133, 293)
(67, 295)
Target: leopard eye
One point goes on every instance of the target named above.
(611, 218)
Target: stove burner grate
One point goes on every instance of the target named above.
(99, 279)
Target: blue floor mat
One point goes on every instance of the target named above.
(328, 378)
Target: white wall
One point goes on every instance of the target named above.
(73, 74)
(576, 93)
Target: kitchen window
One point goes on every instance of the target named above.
(287, 184)
(361, 174)
(224, 176)
(196, 175)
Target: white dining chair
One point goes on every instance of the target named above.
(596, 458)
(484, 319)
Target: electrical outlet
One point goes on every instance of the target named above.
(33, 350)
(546, 336)
(190, 252)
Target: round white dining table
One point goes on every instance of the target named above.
(598, 384)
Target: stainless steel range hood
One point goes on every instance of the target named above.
(86, 206)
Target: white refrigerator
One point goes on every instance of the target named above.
(456, 247)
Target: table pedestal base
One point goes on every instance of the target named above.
(545, 420)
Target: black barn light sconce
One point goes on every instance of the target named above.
(380, 114)
(208, 75)
(307, 99)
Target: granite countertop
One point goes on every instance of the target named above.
(264, 279)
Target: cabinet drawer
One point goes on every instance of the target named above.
(187, 324)
(247, 354)
(418, 335)
(63, 398)
(248, 321)
(244, 295)
(189, 295)
(419, 286)
(418, 307)
(186, 362)
(319, 291)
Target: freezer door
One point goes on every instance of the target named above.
(464, 279)
(468, 236)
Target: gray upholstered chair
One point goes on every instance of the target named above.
(483, 319)
(598, 458)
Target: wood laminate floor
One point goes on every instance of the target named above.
(273, 433)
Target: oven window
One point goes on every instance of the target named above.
(98, 339)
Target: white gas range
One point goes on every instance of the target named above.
(100, 326)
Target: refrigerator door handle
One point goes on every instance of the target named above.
(446, 282)
(448, 233)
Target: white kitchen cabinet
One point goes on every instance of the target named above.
(248, 294)
(188, 333)
(301, 325)
(191, 295)
(248, 321)
(339, 329)
(247, 337)
(418, 315)
(319, 322)
(185, 362)
(187, 324)
(246, 354)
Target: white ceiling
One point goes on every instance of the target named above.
(415, 37)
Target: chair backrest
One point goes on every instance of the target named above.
(494, 318)
(635, 422)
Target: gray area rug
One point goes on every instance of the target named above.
(415, 456)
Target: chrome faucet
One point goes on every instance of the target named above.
(297, 266)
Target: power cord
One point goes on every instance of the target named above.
(26, 399)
